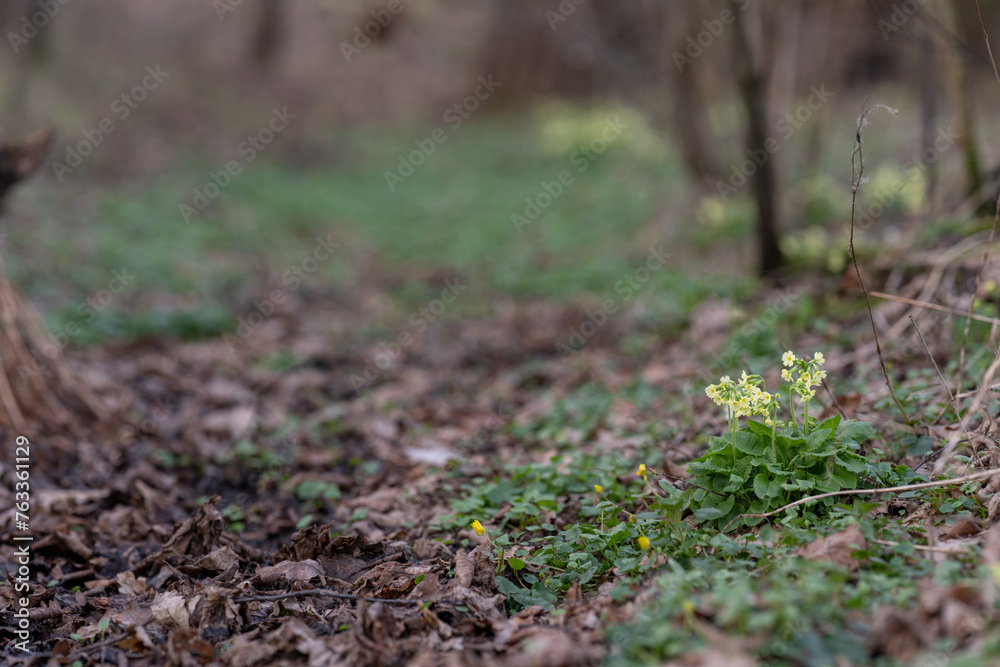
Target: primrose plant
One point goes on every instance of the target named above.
(769, 464)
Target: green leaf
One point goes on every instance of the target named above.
(832, 423)
(846, 478)
(515, 563)
(855, 431)
(718, 444)
(761, 483)
(852, 461)
(741, 472)
(816, 439)
(704, 514)
(759, 429)
(748, 443)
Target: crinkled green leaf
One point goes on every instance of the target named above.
(748, 443)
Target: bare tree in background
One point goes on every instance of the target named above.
(752, 81)
(29, 58)
(265, 46)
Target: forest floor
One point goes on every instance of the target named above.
(486, 461)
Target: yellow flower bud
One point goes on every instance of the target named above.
(598, 488)
(478, 527)
(644, 543)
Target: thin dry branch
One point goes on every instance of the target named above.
(857, 174)
(983, 474)
(934, 306)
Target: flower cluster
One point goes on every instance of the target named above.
(809, 375)
(747, 397)
(743, 398)
(804, 375)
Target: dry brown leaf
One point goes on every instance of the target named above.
(129, 584)
(137, 640)
(964, 527)
(219, 560)
(291, 571)
(836, 548)
(234, 422)
(197, 535)
(173, 609)
(465, 568)
(132, 614)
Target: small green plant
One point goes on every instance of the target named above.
(765, 466)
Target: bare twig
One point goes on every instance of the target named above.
(855, 492)
(933, 306)
(919, 547)
(986, 38)
(979, 274)
(954, 403)
(857, 172)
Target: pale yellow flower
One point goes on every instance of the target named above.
(786, 375)
(788, 358)
(819, 358)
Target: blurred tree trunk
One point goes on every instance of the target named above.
(530, 53)
(690, 110)
(958, 85)
(266, 43)
(929, 90)
(752, 84)
(29, 58)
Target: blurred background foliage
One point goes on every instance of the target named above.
(700, 88)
